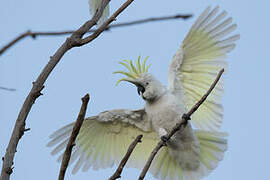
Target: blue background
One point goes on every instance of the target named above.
(89, 69)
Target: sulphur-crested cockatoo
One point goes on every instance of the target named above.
(93, 6)
(190, 154)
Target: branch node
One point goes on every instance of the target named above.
(26, 129)
(38, 89)
(9, 170)
(68, 42)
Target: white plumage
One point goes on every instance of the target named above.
(191, 154)
(93, 6)
(197, 62)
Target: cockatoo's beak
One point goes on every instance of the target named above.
(140, 88)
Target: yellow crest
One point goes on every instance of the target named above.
(134, 71)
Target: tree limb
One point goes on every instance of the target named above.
(74, 134)
(73, 41)
(178, 126)
(34, 34)
(123, 162)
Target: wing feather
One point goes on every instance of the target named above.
(93, 6)
(104, 139)
(197, 62)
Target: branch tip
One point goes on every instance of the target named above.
(26, 129)
(73, 136)
(86, 98)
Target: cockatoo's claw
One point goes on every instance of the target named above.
(163, 135)
(164, 138)
(186, 117)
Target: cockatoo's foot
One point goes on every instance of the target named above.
(163, 134)
(186, 118)
(164, 138)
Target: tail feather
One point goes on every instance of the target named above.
(212, 148)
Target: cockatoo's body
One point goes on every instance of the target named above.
(191, 153)
(164, 108)
(163, 114)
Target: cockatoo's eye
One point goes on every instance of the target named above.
(140, 89)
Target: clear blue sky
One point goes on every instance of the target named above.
(82, 70)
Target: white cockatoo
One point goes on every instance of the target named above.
(190, 154)
(93, 6)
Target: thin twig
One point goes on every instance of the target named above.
(123, 162)
(185, 118)
(71, 42)
(7, 89)
(34, 34)
(74, 134)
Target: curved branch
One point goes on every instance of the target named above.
(178, 126)
(34, 34)
(73, 41)
(74, 134)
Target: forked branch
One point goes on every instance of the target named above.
(74, 40)
(35, 34)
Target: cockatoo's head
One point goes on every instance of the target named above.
(148, 87)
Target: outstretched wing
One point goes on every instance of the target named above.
(104, 139)
(197, 62)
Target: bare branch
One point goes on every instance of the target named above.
(74, 134)
(73, 41)
(34, 34)
(152, 19)
(122, 164)
(178, 126)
